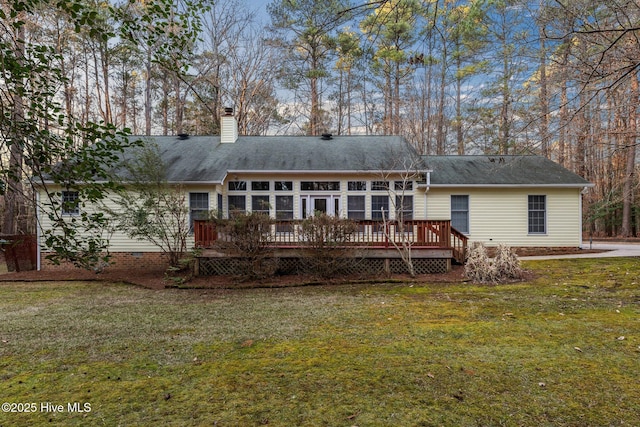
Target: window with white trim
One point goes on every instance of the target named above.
(284, 212)
(236, 205)
(283, 185)
(198, 207)
(460, 213)
(70, 203)
(537, 214)
(260, 185)
(379, 204)
(237, 185)
(357, 185)
(404, 208)
(260, 204)
(356, 207)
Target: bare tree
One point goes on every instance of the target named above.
(404, 171)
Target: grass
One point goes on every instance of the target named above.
(560, 350)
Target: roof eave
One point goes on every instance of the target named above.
(572, 185)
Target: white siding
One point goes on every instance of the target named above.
(118, 240)
(496, 215)
(500, 215)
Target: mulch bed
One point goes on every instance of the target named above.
(159, 280)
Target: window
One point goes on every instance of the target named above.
(284, 185)
(403, 185)
(237, 185)
(379, 185)
(260, 204)
(357, 186)
(237, 205)
(460, 213)
(284, 207)
(70, 203)
(378, 204)
(284, 212)
(259, 185)
(355, 207)
(320, 185)
(198, 207)
(537, 214)
(404, 208)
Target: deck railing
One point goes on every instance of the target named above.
(417, 233)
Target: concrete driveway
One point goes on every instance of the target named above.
(617, 249)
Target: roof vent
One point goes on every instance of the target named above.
(183, 136)
(326, 136)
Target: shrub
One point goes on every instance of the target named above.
(507, 264)
(246, 236)
(479, 268)
(328, 239)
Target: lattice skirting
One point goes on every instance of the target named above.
(364, 266)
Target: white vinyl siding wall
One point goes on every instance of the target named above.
(500, 215)
(119, 242)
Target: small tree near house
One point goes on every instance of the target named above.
(404, 171)
(150, 209)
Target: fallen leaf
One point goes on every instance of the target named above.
(621, 338)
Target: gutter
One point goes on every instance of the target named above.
(513, 185)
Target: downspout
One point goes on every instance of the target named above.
(426, 199)
(38, 248)
(582, 193)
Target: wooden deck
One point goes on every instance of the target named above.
(427, 238)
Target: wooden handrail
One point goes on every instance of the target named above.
(369, 233)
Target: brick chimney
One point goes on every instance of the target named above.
(228, 127)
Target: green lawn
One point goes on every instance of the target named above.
(562, 350)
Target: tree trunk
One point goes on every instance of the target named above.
(440, 143)
(627, 192)
(544, 99)
(147, 96)
(14, 191)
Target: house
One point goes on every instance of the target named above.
(523, 201)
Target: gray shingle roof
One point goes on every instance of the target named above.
(500, 171)
(205, 159)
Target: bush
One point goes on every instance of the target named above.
(507, 264)
(479, 268)
(328, 239)
(246, 236)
